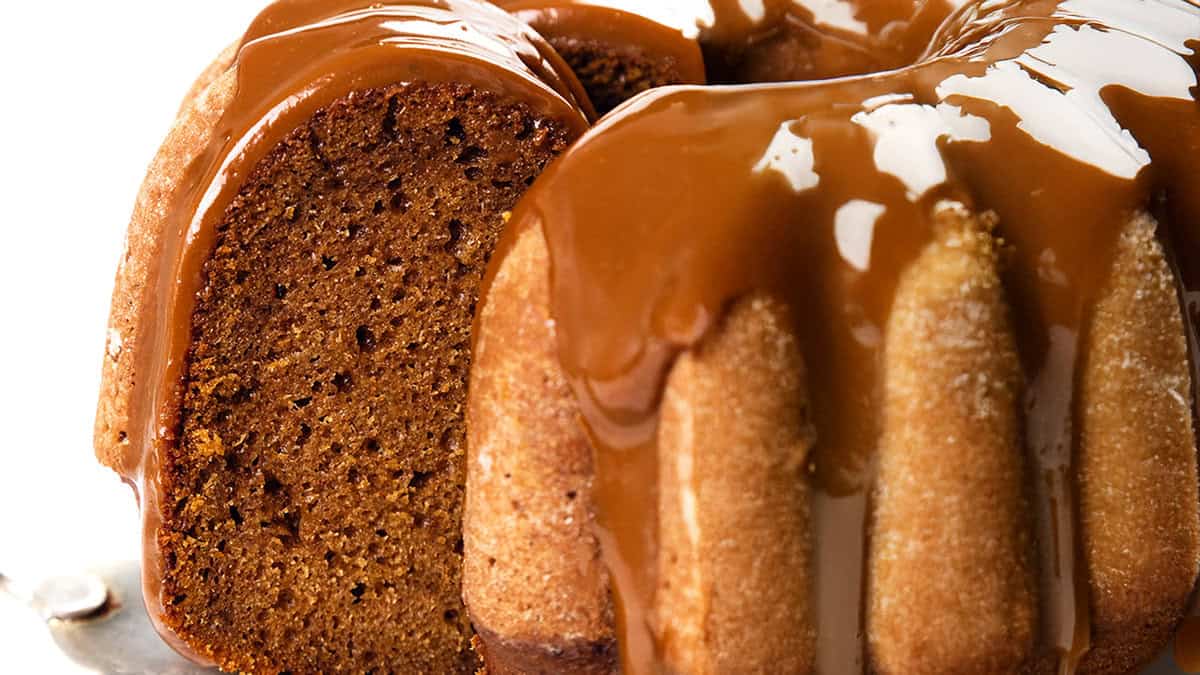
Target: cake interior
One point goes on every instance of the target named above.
(612, 74)
(315, 497)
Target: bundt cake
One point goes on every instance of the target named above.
(892, 372)
(888, 373)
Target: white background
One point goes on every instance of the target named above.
(87, 92)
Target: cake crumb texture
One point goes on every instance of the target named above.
(612, 74)
(318, 486)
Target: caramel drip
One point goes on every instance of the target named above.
(298, 57)
(1062, 118)
(613, 27)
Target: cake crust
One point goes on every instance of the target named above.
(190, 134)
(734, 517)
(533, 574)
(1138, 447)
(951, 478)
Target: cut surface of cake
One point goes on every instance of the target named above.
(293, 321)
(881, 360)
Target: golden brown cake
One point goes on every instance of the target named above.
(290, 335)
(885, 373)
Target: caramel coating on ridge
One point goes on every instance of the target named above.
(533, 578)
(1137, 464)
(734, 567)
(192, 132)
(952, 588)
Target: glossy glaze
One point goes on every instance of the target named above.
(1064, 118)
(785, 40)
(615, 28)
(755, 40)
(1030, 110)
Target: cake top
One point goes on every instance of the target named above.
(1062, 120)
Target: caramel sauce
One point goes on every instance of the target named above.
(613, 27)
(1062, 118)
(298, 57)
(835, 39)
(1046, 112)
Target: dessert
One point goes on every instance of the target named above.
(890, 373)
(289, 340)
(881, 373)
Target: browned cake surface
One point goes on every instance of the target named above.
(612, 74)
(505, 656)
(193, 129)
(1138, 488)
(734, 518)
(533, 580)
(952, 373)
(318, 488)
(950, 493)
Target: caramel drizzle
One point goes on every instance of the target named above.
(714, 199)
(298, 57)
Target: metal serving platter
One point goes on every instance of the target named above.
(98, 620)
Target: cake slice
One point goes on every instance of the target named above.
(290, 338)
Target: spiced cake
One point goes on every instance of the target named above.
(880, 360)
